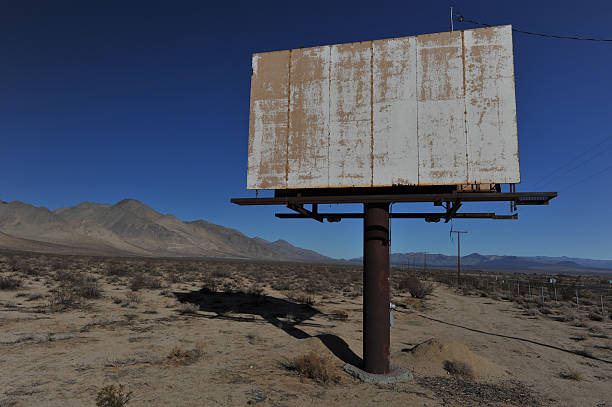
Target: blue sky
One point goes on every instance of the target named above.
(103, 100)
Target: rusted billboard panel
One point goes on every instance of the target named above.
(440, 101)
(308, 146)
(434, 109)
(490, 106)
(350, 115)
(268, 121)
(395, 112)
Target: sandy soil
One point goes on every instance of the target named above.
(232, 350)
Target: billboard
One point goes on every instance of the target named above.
(435, 109)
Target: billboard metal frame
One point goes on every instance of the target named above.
(375, 215)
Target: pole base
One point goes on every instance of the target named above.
(397, 374)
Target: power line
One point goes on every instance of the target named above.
(462, 19)
(580, 164)
(596, 174)
(588, 150)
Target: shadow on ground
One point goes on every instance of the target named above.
(284, 314)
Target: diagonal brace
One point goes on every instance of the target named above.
(451, 210)
(305, 212)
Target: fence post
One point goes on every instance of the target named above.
(557, 301)
(542, 295)
(602, 307)
(529, 285)
(518, 289)
(577, 303)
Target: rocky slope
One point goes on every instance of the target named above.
(131, 228)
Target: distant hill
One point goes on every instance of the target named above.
(131, 228)
(509, 263)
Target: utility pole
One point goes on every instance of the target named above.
(458, 232)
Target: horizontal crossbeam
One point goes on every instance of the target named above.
(430, 217)
(519, 198)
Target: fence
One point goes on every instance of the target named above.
(581, 292)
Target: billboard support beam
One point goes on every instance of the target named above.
(376, 267)
(376, 294)
(429, 216)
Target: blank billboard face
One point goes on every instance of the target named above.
(436, 109)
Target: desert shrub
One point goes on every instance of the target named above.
(28, 270)
(113, 396)
(459, 369)
(9, 283)
(63, 299)
(282, 284)
(66, 276)
(58, 263)
(229, 286)
(304, 299)
(188, 308)
(173, 278)
(22, 266)
(313, 367)
(140, 281)
(86, 288)
(210, 284)
(167, 293)
(118, 271)
(416, 287)
(316, 286)
(178, 356)
(255, 290)
(132, 298)
(572, 374)
(352, 292)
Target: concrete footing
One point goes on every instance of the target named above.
(397, 375)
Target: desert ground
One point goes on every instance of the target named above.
(208, 332)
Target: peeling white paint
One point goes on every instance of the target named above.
(433, 109)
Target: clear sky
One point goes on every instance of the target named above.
(104, 100)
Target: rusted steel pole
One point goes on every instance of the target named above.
(376, 295)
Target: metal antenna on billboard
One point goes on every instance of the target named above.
(451, 19)
(458, 232)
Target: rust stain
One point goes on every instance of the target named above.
(313, 112)
(288, 120)
(465, 125)
(371, 112)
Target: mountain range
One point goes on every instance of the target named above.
(495, 262)
(131, 228)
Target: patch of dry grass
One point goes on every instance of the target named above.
(140, 281)
(178, 356)
(188, 308)
(304, 299)
(572, 374)
(314, 367)
(113, 396)
(9, 283)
